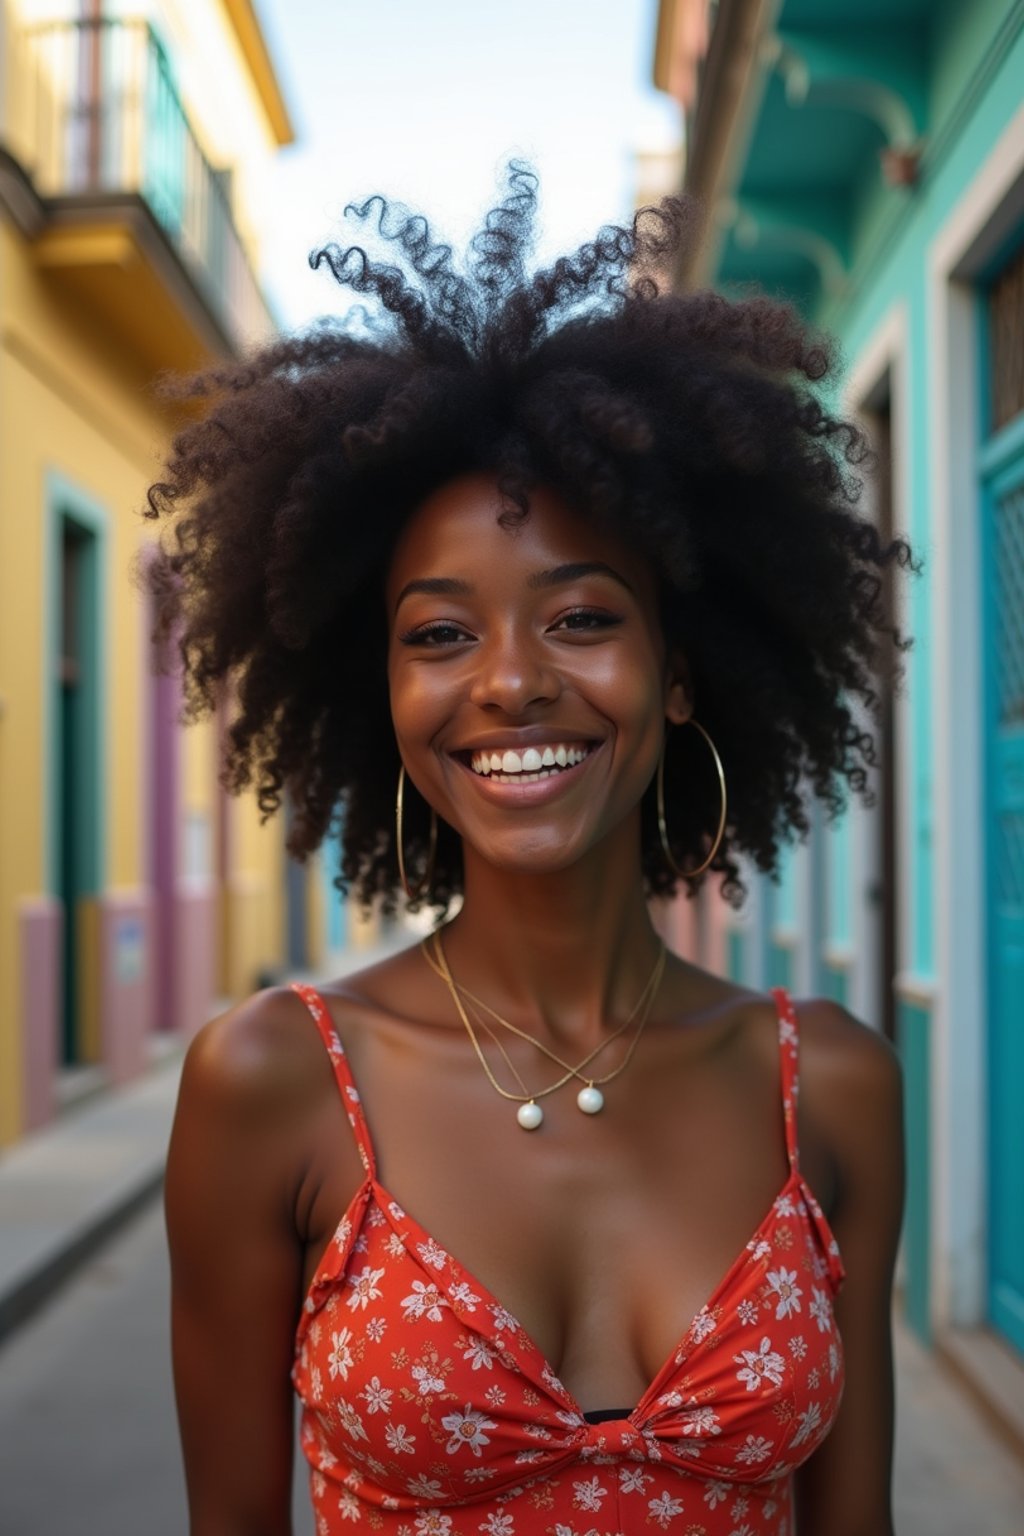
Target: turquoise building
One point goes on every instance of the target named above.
(865, 159)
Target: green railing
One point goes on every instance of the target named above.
(106, 120)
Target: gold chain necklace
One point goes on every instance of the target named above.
(576, 1071)
(590, 1099)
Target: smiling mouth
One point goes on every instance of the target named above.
(528, 766)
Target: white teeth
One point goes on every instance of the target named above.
(532, 763)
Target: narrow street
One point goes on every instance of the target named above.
(88, 1437)
(89, 1445)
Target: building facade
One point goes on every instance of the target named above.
(866, 162)
(133, 893)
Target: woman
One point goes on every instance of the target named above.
(566, 573)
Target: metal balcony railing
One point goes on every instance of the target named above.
(104, 120)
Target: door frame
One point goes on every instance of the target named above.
(66, 502)
(991, 205)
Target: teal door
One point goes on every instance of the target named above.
(1002, 482)
(1004, 506)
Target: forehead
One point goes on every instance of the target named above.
(456, 532)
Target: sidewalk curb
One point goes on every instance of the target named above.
(67, 1188)
(30, 1290)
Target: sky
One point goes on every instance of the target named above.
(426, 102)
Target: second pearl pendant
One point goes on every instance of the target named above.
(590, 1100)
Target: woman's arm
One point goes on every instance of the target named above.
(236, 1267)
(851, 1087)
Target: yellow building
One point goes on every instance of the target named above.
(132, 892)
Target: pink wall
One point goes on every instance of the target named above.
(40, 926)
(196, 955)
(126, 992)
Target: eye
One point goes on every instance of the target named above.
(582, 620)
(436, 634)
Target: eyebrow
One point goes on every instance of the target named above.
(558, 576)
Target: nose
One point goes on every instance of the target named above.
(513, 671)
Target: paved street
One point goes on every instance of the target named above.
(88, 1443)
(88, 1439)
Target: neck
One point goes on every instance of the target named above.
(565, 954)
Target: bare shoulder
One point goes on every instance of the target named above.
(845, 1059)
(260, 1058)
(851, 1097)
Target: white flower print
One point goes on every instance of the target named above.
(760, 1365)
(664, 1509)
(739, 1507)
(399, 1439)
(316, 1385)
(425, 1301)
(746, 1530)
(433, 1523)
(588, 1495)
(633, 1479)
(820, 1309)
(339, 1361)
(701, 1420)
(715, 1493)
(375, 1328)
(797, 1346)
(478, 1353)
(465, 1296)
(703, 1325)
(809, 1422)
(364, 1288)
(394, 1245)
(350, 1420)
(343, 1232)
(755, 1448)
(480, 1475)
(424, 1488)
(426, 1381)
(396, 1210)
(747, 1311)
(782, 1282)
(759, 1249)
(497, 1525)
(349, 1506)
(377, 1398)
(466, 1429)
(432, 1253)
(495, 1396)
(504, 1322)
(784, 1206)
(671, 1400)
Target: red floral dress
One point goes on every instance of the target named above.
(427, 1410)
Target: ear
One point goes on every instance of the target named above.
(678, 690)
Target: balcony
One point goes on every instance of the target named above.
(125, 211)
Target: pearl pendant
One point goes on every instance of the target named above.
(590, 1100)
(529, 1115)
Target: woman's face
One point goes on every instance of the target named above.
(528, 676)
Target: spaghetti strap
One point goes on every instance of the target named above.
(342, 1073)
(789, 1068)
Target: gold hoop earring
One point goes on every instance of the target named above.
(428, 873)
(689, 874)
